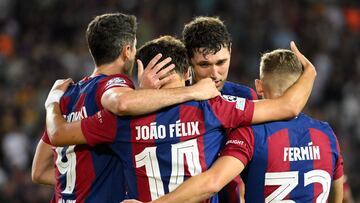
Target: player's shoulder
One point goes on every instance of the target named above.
(313, 121)
(235, 89)
(310, 122)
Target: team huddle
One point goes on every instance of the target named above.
(186, 134)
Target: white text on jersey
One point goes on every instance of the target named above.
(178, 129)
(78, 115)
(309, 152)
(66, 201)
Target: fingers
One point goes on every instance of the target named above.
(304, 61)
(166, 80)
(161, 64)
(164, 71)
(154, 61)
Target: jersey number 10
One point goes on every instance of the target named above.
(148, 158)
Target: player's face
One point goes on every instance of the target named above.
(214, 66)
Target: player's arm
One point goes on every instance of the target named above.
(126, 101)
(336, 191)
(62, 133)
(204, 185)
(59, 131)
(293, 100)
(42, 171)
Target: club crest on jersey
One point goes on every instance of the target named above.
(240, 102)
(116, 82)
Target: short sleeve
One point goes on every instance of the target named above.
(240, 144)
(112, 81)
(232, 111)
(339, 165)
(99, 128)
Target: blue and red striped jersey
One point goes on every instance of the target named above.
(162, 149)
(231, 192)
(85, 173)
(238, 90)
(287, 160)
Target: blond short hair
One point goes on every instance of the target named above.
(279, 69)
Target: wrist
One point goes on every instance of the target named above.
(190, 93)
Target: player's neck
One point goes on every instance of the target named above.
(108, 69)
(174, 83)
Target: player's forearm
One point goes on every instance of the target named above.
(42, 171)
(195, 189)
(60, 132)
(54, 121)
(148, 100)
(336, 191)
(46, 178)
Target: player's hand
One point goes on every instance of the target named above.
(57, 91)
(153, 77)
(205, 89)
(131, 201)
(62, 84)
(308, 66)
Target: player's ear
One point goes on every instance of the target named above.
(187, 75)
(259, 87)
(126, 51)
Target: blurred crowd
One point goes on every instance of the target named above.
(42, 40)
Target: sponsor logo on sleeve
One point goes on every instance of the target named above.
(240, 102)
(116, 82)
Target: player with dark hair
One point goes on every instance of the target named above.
(160, 150)
(297, 160)
(91, 174)
(208, 43)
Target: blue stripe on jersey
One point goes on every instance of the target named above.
(213, 137)
(238, 90)
(300, 137)
(125, 153)
(165, 116)
(90, 99)
(256, 166)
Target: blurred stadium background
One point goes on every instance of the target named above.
(42, 40)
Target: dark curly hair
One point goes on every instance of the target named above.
(209, 33)
(107, 34)
(168, 46)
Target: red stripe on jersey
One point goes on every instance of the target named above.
(276, 144)
(99, 128)
(191, 114)
(138, 147)
(80, 102)
(64, 103)
(85, 172)
(320, 139)
(102, 86)
(339, 165)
